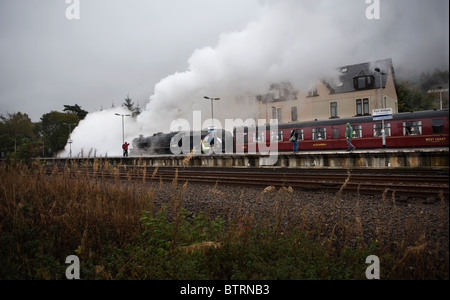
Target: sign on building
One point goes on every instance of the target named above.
(382, 114)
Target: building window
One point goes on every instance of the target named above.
(333, 110)
(319, 133)
(276, 95)
(378, 127)
(362, 107)
(276, 114)
(279, 117)
(313, 92)
(358, 107)
(412, 128)
(294, 115)
(364, 82)
(361, 83)
(366, 106)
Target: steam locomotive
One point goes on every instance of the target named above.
(184, 142)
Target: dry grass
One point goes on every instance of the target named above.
(70, 210)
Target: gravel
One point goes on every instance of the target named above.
(373, 218)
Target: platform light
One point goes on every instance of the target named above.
(212, 108)
(70, 141)
(123, 126)
(439, 90)
(383, 132)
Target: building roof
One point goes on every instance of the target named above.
(345, 82)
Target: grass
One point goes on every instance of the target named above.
(119, 231)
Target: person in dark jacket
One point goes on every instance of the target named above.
(294, 140)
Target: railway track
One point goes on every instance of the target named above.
(403, 184)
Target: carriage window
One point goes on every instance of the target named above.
(241, 136)
(319, 133)
(259, 138)
(377, 129)
(412, 128)
(335, 133)
(357, 131)
(276, 136)
(300, 134)
(438, 126)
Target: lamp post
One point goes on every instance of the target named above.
(383, 132)
(123, 126)
(212, 108)
(70, 141)
(439, 90)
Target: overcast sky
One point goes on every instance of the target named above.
(115, 48)
(121, 47)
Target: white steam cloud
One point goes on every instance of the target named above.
(295, 41)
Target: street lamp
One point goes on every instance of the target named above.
(70, 141)
(123, 126)
(212, 108)
(439, 90)
(383, 132)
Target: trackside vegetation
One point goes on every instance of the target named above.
(119, 230)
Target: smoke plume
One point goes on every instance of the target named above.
(293, 41)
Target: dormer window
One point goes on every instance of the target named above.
(364, 82)
(312, 92)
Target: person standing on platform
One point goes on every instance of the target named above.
(125, 149)
(349, 137)
(294, 140)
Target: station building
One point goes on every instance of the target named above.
(354, 91)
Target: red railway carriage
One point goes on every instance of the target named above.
(412, 129)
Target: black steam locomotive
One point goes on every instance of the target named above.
(184, 142)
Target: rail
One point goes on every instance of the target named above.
(398, 184)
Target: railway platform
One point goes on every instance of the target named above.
(433, 158)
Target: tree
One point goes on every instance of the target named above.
(16, 129)
(412, 98)
(136, 110)
(437, 78)
(17, 136)
(54, 128)
(77, 110)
